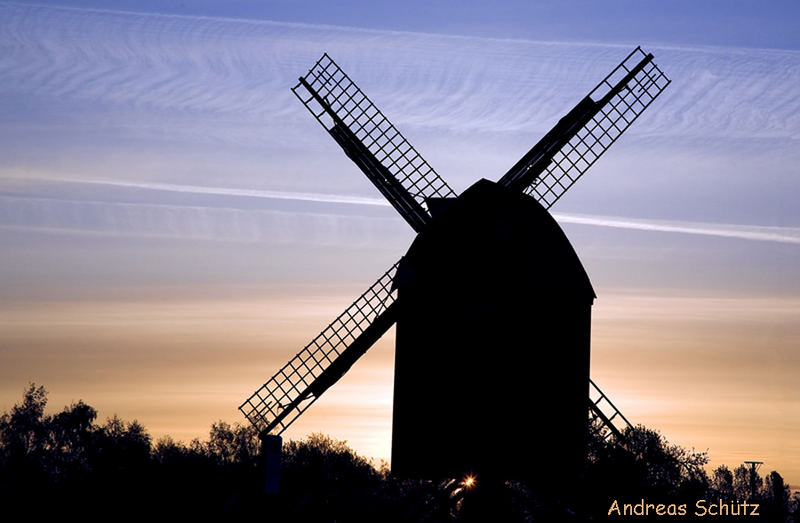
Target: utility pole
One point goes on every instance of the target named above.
(754, 465)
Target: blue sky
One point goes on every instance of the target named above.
(176, 226)
(738, 23)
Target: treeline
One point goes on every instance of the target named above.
(68, 464)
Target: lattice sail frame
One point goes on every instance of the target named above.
(372, 128)
(605, 418)
(289, 389)
(288, 393)
(592, 140)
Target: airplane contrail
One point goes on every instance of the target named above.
(743, 232)
(227, 191)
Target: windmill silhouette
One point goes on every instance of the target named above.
(492, 305)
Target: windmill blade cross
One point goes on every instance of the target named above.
(287, 394)
(410, 185)
(565, 153)
(391, 163)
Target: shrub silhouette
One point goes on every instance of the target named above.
(67, 464)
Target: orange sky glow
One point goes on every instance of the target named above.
(179, 366)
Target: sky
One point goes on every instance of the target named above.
(175, 226)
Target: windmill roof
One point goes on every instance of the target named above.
(509, 234)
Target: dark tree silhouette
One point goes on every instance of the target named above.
(776, 496)
(647, 466)
(722, 482)
(67, 464)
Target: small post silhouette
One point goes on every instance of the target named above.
(271, 454)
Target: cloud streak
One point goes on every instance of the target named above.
(190, 222)
(235, 224)
(249, 193)
(741, 232)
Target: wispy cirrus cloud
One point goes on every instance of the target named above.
(233, 223)
(179, 64)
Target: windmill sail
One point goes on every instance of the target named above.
(585, 133)
(604, 417)
(411, 185)
(326, 359)
(368, 138)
